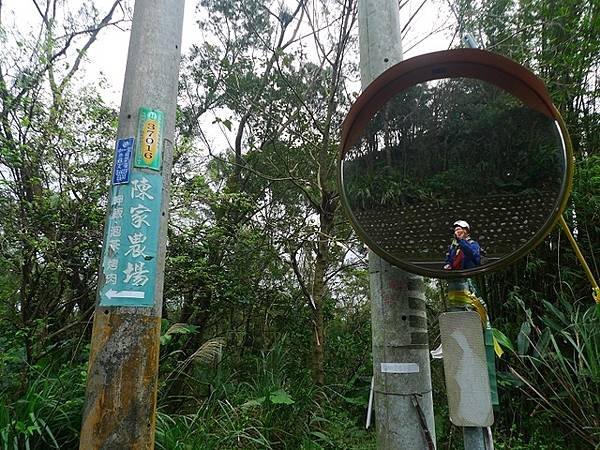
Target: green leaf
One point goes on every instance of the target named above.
(523, 338)
(226, 122)
(542, 343)
(280, 397)
(558, 314)
(20, 426)
(502, 339)
(322, 436)
(506, 379)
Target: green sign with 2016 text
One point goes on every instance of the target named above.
(149, 139)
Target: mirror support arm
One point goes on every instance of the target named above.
(580, 257)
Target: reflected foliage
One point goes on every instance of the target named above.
(448, 149)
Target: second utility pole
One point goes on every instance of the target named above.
(403, 401)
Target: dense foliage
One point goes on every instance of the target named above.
(266, 325)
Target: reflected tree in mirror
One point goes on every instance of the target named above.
(453, 149)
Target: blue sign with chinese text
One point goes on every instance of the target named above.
(131, 242)
(122, 167)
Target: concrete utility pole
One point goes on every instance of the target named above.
(403, 401)
(120, 406)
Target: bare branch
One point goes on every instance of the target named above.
(294, 264)
(412, 17)
(93, 35)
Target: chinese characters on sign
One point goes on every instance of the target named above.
(131, 244)
(122, 165)
(131, 235)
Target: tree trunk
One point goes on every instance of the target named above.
(318, 356)
(319, 288)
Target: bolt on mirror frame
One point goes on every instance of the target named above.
(495, 69)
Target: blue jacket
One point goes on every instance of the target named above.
(470, 249)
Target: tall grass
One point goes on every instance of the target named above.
(46, 415)
(559, 365)
(270, 407)
(227, 401)
(251, 413)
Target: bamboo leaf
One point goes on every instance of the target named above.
(502, 339)
(523, 338)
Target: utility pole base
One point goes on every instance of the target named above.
(122, 379)
(391, 435)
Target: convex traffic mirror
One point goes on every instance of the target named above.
(457, 135)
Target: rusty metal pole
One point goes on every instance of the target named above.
(120, 404)
(401, 370)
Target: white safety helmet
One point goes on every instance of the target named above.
(462, 224)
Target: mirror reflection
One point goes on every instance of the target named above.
(454, 150)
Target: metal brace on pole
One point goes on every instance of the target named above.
(423, 422)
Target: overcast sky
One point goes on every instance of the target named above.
(108, 54)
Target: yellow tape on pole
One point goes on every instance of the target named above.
(467, 298)
(462, 298)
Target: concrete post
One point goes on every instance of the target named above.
(400, 358)
(120, 406)
(400, 343)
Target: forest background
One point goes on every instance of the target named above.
(266, 325)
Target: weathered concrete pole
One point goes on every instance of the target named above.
(120, 406)
(403, 401)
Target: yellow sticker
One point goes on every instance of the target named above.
(150, 142)
(148, 151)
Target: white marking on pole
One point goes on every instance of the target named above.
(400, 368)
(124, 294)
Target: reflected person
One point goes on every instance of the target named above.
(463, 252)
